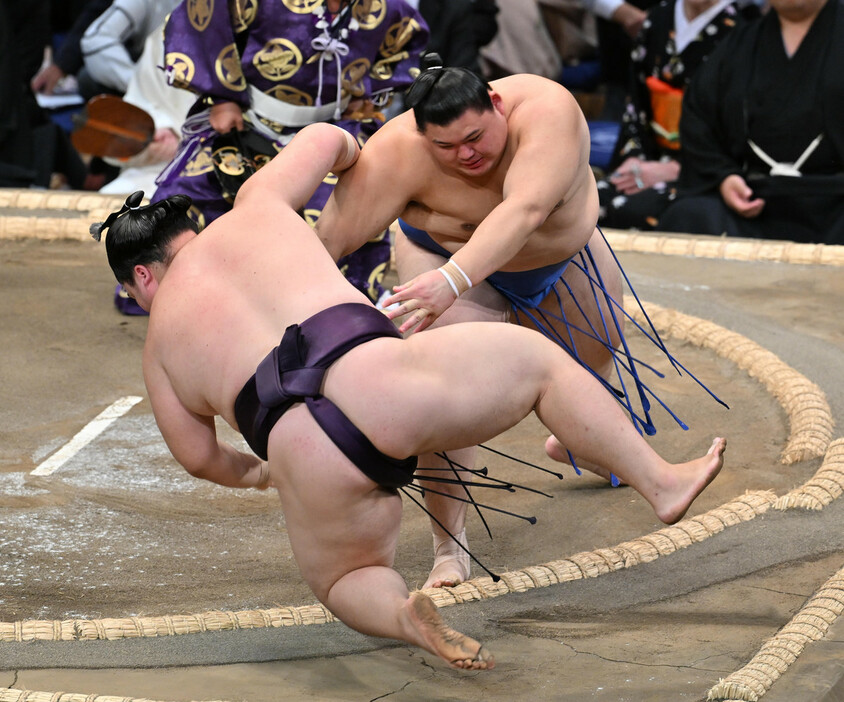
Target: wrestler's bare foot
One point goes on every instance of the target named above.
(456, 649)
(451, 563)
(445, 574)
(687, 481)
(558, 452)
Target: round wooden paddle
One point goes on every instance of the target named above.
(109, 126)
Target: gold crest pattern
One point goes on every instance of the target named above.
(370, 14)
(289, 94)
(229, 160)
(199, 13)
(181, 69)
(196, 215)
(243, 13)
(311, 216)
(399, 35)
(302, 7)
(262, 160)
(227, 68)
(277, 127)
(278, 60)
(353, 75)
(383, 69)
(375, 280)
(199, 164)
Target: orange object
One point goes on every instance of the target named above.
(109, 126)
(666, 106)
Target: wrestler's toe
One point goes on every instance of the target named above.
(483, 660)
(444, 582)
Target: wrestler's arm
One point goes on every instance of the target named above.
(192, 438)
(548, 159)
(551, 153)
(369, 196)
(295, 173)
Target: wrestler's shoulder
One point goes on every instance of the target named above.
(396, 140)
(534, 92)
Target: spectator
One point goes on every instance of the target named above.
(67, 61)
(32, 149)
(114, 41)
(675, 40)
(762, 134)
(523, 43)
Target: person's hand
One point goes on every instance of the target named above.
(225, 116)
(424, 299)
(46, 79)
(163, 147)
(738, 196)
(635, 175)
(630, 17)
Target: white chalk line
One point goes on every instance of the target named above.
(88, 433)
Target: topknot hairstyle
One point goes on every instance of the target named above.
(441, 94)
(141, 235)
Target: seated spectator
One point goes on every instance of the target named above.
(66, 62)
(573, 28)
(34, 152)
(675, 39)
(545, 36)
(762, 132)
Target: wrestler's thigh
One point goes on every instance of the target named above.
(444, 388)
(581, 285)
(337, 519)
(587, 309)
(481, 303)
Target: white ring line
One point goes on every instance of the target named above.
(88, 433)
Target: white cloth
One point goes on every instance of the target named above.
(686, 30)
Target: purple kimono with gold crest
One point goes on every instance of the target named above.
(287, 63)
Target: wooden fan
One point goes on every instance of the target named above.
(109, 126)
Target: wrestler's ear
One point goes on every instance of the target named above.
(497, 102)
(144, 277)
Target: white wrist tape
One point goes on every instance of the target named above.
(455, 276)
(450, 282)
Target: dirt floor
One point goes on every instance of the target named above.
(120, 530)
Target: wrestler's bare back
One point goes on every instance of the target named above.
(449, 205)
(228, 296)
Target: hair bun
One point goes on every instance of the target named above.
(135, 199)
(431, 60)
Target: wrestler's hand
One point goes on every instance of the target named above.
(225, 116)
(738, 196)
(423, 299)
